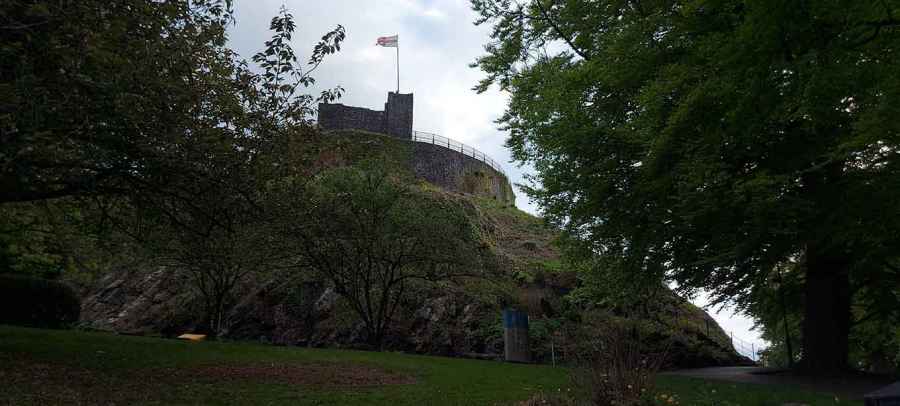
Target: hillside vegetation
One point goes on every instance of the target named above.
(457, 318)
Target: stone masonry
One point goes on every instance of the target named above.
(450, 169)
(396, 119)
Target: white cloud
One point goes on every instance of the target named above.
(368, 55)
(434, 13)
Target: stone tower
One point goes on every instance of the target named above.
(396, 119)
(398, 115)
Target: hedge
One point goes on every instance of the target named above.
(36, 302)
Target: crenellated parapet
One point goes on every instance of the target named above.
(396, 119)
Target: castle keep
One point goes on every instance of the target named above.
(441, 161)
(396, 119)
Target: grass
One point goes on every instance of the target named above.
(146, 368)
(73, 367)
(694, 391)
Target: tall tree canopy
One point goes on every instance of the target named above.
(121, 97)
(137, 113)
(100, 97)
(707, 141)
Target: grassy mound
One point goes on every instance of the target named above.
(459, 319)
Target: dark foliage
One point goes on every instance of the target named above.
(137, 115)
(708, 142)
(376, 238)
(36, 302)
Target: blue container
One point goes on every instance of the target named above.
(515, 336)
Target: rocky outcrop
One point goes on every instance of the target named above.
(450, 320)
(153, 302)
(138, 301)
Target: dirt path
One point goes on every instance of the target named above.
(848, 387)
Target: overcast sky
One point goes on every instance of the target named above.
(438, 40)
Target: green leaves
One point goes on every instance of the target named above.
(376, 237)
(694, 120)
(111, 98)
(96, 100)
(705, 142)
(137, 113)
(282, 75)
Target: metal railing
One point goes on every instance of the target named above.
(745, 348)
(434, 139)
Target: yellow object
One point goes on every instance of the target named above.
(193, 337)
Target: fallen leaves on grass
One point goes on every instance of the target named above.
(40, 383)
(319, 375)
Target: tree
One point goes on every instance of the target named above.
(27, 243)
(374, 236)
(705, 142)
(98, 96)
(117, 98)
(218, 252)
(776, 306)
(218, 227)
(137, 114)
(874, 339)
(282, 76)
(59, 239)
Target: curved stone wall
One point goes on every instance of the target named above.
(449, 169)
(457, 172)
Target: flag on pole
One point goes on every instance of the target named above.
(390, 42)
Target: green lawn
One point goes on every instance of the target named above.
(71, 367)
(692, 391)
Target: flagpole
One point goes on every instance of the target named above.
(398, 67)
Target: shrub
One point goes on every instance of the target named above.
(616, 361)
(543, 341)
(552, 399)
(35, 302)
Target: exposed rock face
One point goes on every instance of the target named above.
(147, 301)
(447, 321)
(156, 302)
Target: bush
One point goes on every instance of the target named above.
(616, 361)
(35, 302)
(552, 399)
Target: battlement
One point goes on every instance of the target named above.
(396, 119)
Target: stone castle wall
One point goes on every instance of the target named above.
(341, 117)
(454, 171)
(443, 167)
(396, 119)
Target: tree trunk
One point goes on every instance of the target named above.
(826, 324)
(784, 315)
(375, 336)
